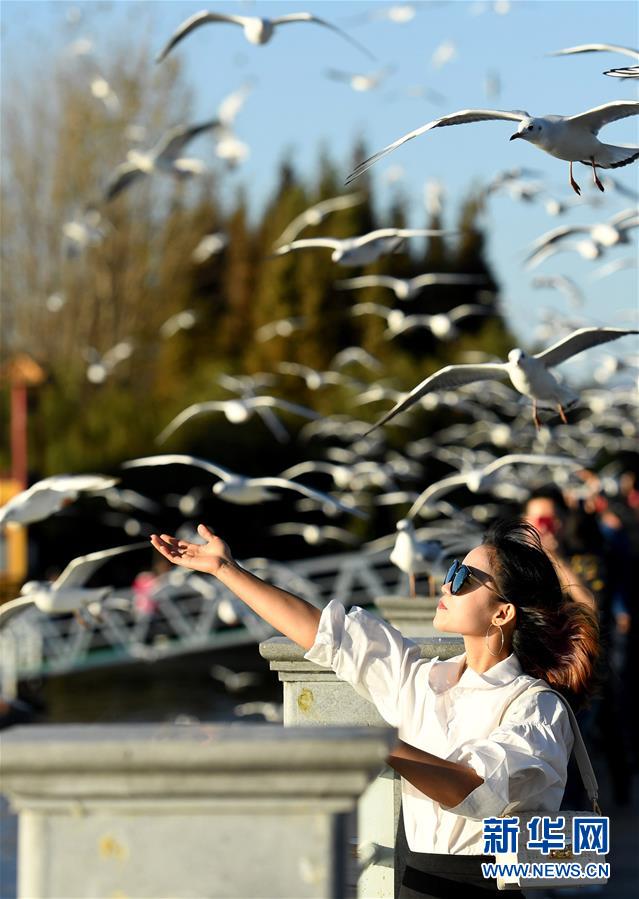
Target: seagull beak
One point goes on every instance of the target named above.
(516, 134)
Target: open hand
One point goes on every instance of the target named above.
(208, 557)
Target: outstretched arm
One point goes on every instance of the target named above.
(287, 613)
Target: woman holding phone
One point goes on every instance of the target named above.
(459, 761)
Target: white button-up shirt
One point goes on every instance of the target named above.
(522, 761)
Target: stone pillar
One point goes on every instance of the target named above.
(210, 811)
(314, 696)
(412, 615)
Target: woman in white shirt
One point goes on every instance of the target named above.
(471, 745)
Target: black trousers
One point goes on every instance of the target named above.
(437, 876)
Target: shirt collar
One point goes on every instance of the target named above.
(445, 674)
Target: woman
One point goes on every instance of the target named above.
(458, 763)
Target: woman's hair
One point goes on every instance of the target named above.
(555, 637)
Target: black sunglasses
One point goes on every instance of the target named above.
(458, 574)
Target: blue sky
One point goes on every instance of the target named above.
(296, 107)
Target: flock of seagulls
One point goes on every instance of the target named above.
(358, 472)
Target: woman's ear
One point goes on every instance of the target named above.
(507, 612)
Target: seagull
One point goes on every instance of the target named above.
(102, 90)
(355, 355)
(237, 488)
(360, 82)
(316, 214)
(282, 327)
(181, 321)
(409, 551)
(163, 157)
(316, 380)
(313, 534)
(529, 375)
(102, 364)
(256, 30)
(273, 712)
(478, 480)
(48, 496)
(67, 593)
(407, 288)
(572, 138)
(365, 248)
(441, 325)
(235, 681)
(562, 283)
(209, 245)
(85, 230)
(237, 411)
(597, 48)
(624, 72)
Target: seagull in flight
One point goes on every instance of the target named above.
(163, 157)
(237, 411)
(316, 214)
(530, 375)
(624, 72)
(480, 479)
(572, 138)
(237, 488)
(67, 593)
(256, 30)
(363, 249)
(48, 496)
(441, 325)
(407, 288)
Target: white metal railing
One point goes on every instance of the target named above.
(192, 613)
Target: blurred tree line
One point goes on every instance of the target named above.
(58, 301)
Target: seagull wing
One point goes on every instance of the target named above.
(307, 491)
(527, 459)
(9, 610)
(331, 242)
(463, 117)
(468, 309)
(179, 459)
(273, 401)
(309, 17)
(578, 341)
(450, 376)
(370, 309)
(80, 569)
(597, 48)
(193, 22)
(231, 105)
(624, 72)
(186, 414)
(595, 119)
(173, 142)
(445, 278)
(439, 488)
(367, 281)
(123, 176)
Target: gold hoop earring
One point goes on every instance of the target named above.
(498, 653)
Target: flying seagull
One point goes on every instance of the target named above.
(165, 156)
(597, 48)
(573, 138)
(407, 288)
(67, 593)
(237, 488)
(365, 248)
(529, 375)
(316, 214)
(50, 495)
(256, 30)
(237, 411)
(624, 72)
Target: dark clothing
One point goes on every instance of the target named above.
(436, 876)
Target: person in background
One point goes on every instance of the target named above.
(590, 568)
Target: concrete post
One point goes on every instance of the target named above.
(314, 696)
(206, 811)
